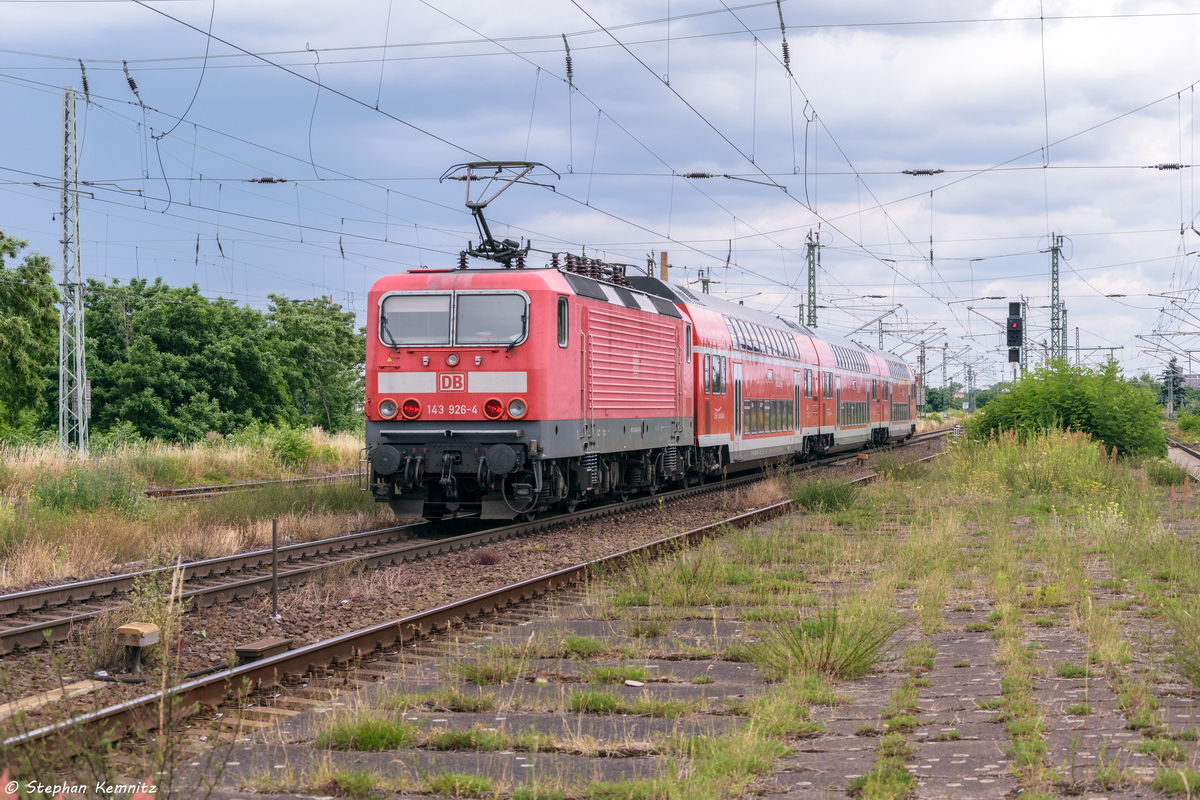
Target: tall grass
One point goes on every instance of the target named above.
(250, 455)
(838, 643)
(76, 519)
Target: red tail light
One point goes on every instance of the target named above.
(411, 408)
(493, 408)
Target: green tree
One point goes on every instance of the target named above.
(321, 360)
(1060, 396)
(1172, 379)
(937, 399)
(28, 327)
(177, 365)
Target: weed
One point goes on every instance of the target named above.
(888, 779)
(837, 644)
(961, 664)
(919, 658)
(823, 496)
(617, 674)
(593, 702)
(964, 607)
(453, 784)
(946, 736)
(1164, 473)
(487, 670)
(475, 738)
(352, 783)
(580, 647)
(372, 734)
(647, 628)
(1163, 750)
(536, 793)
(1065, 669)
(1177, 781)
(1079, 710)
(704, 678)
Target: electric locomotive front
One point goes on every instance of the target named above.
(456, 399)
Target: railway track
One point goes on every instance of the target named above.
(363, 656)
(191, 492)
(31, 618)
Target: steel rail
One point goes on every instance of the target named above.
(55, 628)
(229, 488)
(341, 655)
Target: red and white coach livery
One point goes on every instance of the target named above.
(510, 390)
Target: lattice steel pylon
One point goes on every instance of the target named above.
(1058, 332)
(73, 400)
(814, 260)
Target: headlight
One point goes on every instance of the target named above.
(452, 359)
(387, 409)
(411, 408)
(493, 408)
(517, 408)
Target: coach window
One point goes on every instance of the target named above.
(412, 319)
(564, 312)
(718, 374)
(808, 383)
(496, 319)
(707, 372)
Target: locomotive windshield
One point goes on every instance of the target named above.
(407, 319)
(491, 318)
(425, 319)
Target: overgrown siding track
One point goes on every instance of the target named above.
(191, 492)
(351, 653)
(32, 617)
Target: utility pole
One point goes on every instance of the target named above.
(921, 382)
(881, 334)
(74, 398)
(970, 390)
(1058, 344)
(945, 385)
(1062, 321)
(1077, 345)
(814, 261)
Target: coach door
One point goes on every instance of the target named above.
(837, 400)
(797, 379)
(737, 402)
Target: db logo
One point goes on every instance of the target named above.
(452, 382)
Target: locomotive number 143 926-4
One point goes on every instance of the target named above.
(453, 410)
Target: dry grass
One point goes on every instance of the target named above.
(171, 465)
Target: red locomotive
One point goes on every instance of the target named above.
(515, 390)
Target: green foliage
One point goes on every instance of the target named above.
(618, 674)
(89, 487)
(1177, 782)
(835, 644)
(357, 783)
(176, 365)
(1165, 473)
(28, 327)
(1188, 423)
(456, 785)
(937, 399)
(372, 734)
(593, 702)
(1065, 397)
(293, 448)
(824, 495)
(320, 355)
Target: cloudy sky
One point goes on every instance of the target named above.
(1039, 118)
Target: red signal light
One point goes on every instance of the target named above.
(411, 408)
(493, 408)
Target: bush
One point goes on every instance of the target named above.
(1099, 403)
(1189, 424)
(293, 447)
(89, 487)
(825, 495)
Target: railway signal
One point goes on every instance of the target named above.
(1014, 328)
